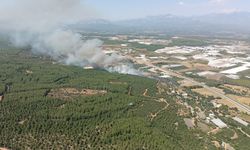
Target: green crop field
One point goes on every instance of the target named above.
(188, 42)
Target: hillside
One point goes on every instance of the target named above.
(52, 106)
(224, 24)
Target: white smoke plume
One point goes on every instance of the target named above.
(41, 25)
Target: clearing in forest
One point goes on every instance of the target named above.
(65, 93)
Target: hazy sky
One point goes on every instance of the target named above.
(127, 9)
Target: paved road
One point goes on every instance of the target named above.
(242, 107)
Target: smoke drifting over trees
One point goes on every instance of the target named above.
(41, 25)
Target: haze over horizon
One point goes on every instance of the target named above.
(122, 10)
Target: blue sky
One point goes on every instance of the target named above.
(127, 9)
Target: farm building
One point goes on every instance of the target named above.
(219, 123)
(240, 121)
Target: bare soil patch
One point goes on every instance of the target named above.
(235, 136)
(145, 92)
(186, 83)
(214, 131)
(218, 90)
(22, 122)
(2, 148)
(215, 76)
(216, 144)
(203, 127)
(183, 112)
(189, 122)
(226, 102)
(204, 92)
(118, 82)
(229, 104)
(200, 66)
(241, 99)
(67, 93)
(29, 72)
(197, 66)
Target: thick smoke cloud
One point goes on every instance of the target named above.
(41, 25)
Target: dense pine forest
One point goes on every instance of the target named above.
(48, 105)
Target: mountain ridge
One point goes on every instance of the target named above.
(233, 23)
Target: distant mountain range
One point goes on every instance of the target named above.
(219, 24)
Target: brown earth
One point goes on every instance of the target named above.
(186, 83)
(235, 136)
(67, 93)
(203, 127)
(226, 102)
(241, 99)
(216, 144)
(214, 131)
(206, 92)
(215, 76)
(145, 92)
